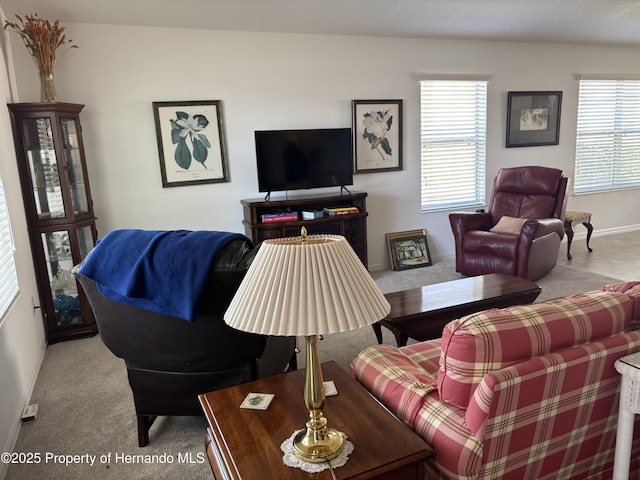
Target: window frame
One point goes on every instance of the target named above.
(463, 138)
(607, 126)
(9, 286)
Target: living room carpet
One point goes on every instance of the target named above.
(86, 407)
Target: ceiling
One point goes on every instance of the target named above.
(615, 22)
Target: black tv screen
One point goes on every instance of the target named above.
(301, 159)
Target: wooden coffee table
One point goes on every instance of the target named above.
(421, 313)
(245, 444)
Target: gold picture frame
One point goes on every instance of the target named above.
(408, 249)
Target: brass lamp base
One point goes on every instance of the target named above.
(318, 446)
(317, 442)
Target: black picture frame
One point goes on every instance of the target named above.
(533, 118)
(373, 152)
(191, 154)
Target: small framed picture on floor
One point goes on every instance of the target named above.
(408, 249)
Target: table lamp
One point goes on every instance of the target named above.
(309, 286)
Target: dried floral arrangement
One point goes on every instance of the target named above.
(42, 39)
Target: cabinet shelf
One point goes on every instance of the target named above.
(353, 226)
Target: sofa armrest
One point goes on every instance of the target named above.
(407, 389)
(392, 377)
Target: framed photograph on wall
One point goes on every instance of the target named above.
(191, 142)
(533, 118)
(408, 249)
(377, 135)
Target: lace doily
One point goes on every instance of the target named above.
(289, 458)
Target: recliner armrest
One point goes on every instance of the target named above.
(537, 228)
(548, 225)
(464, 221)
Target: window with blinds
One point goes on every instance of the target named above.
(8, 275)
(453, 126)
(608, 135)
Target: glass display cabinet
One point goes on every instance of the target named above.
(59, 209)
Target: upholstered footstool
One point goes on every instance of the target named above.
(571, 219)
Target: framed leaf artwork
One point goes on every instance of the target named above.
(377, 135)
(191, 142)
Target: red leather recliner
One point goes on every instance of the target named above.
(526, 242)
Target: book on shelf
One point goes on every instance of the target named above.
(333, 212)
(280, 217)
(312, 214)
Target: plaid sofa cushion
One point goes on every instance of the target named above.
(494, 339)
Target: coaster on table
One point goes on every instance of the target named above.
(330, 389)
(257, 401)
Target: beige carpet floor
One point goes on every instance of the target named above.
(86, 407)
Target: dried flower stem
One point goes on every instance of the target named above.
(42, 39)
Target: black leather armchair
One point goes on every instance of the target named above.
(170, 360)
(520, 234)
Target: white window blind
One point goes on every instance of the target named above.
(608, 135)
(8, 275)
(453, 126)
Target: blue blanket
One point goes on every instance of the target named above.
(161, 271)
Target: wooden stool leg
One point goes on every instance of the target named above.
(568, 229)
(589, 228)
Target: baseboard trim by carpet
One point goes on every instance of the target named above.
(581, 233)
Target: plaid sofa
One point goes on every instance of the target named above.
(526, 392)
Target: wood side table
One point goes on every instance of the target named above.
(245, 444)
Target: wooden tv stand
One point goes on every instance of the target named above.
(353, 226)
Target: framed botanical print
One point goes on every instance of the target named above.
(377, 135)
(191, 142)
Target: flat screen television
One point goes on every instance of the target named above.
(303, 159)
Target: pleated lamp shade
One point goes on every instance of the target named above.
(307, 285)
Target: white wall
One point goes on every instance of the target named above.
(270, 81)
(22, 344)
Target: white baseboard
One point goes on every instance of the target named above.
(581, 232)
